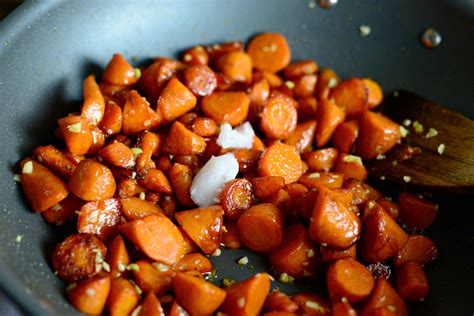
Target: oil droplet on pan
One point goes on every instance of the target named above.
(431, 38)
(327, 4)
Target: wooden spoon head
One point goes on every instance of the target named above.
(446, 140)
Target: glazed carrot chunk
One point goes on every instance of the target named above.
(138, 115)
(200, 79)
(247, 297)
(264, 187)
(273, 80)
(237, 66)
(345, 136)
(331, 223)
(269, 52)
(76, 133)
(303, 136)
(117, 257)
(90, 296)
(94, 104)
(150, 145)
(278, 301)
(151, 306)
(281, 160)
(412, 284)
(374, 91)
(156, 236)
(330, 255)
(304, 86)
(300, 68)
(236, 197)
(181, 141)
(41, 187)
(321, 159)
(196, 55)
(193, 262)
(150, 279)
(351, 96)
(418, 249)
(247, 158)
(307, 108)
(55, 160)
(330, 116)
(155, 76)
(350, 279)
(111, 123)
(391, 208)
(416, 211)
(177, 310)
(181, 178)
(64, 211)
(204, 126)
(215, 51)
(135, 208)
(297, 255)
(226, 107)
(327, 79)
(261, 227)
(351, 167)
(230, 236)
(197, 296)
(119, 72)
(279, 116)
(383, 295)
(314, 180)
(156, 181)
(75, 258)
(257, 94)
(123, 298)
(101, 218)
(377, 135)
(92, 181)
(312, 304)
(118, 155)
(175, 100)
(204, 226)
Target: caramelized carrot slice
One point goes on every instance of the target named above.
(148, 235)
(314, 180)
(351, 96)
(327, 79)
(94, 104)
(264, 187)
(55, 160)
(92, 181)
(279, 116)
(391, 208)
(281, 160)
(331, 223)
(226, 107)
(297, 256)
(90, 296)
(128, 188)
(181, 141)
(155, 76)
(196, 55)
(156, 181)
(197, 296)
(230, 236)
(101, 218)
(236, 197)
(304, 86)
(41, 187)
(237, 66)
(351, 167)
(193, 262)
(175, 100)
(118, 71)
(117, 257)
(312, 304)
(204, 126)
(138, 115)
(350, 279)
(383, 295)
(247, 297)
(331, 255)
(150, 145)
(98, 141)
(123, 298)
(247, 158)
(200, 79)
(151, 306)
(345, 136)
(412, 284)
(280, 302)
(269, 51)
(273, 79)
(204, 226)
(415, 211)
(257, 94)
(118, 155)
(300, 68)
(377, 135)
(64, 211)
(76, 133)
(75, 257)
(150, 279)
(330, 116)
(111, 123)
(181, 178)
(321, 159)
(374, 91)
(215, 51)
(419, 249)
(261, 227)
(302, 137)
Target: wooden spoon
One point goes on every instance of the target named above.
(446, 162)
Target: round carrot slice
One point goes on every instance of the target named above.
(236, 197)
(419, 249)
(269, 51)
(200, 79)
(237, 66)
(226, 107)
(279, 116)
(281, 160)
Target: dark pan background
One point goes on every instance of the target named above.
(48, 47)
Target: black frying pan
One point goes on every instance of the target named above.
(48, 47)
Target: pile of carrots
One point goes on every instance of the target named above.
(122, 178)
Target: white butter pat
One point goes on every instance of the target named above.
(208, 183)
(239, 137)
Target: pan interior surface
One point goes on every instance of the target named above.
(47, 48)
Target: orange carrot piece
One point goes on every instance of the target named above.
(279, 116)
(321, 159)
(391, 208)
(196, 55)
(351, 96)
(118, 155)
(204, 126)
(343, 309)
(75, 257)
(156, 181)
(273, 79)
(128, 188)
(257, 94)
(281, 160)
(304, 86)
(92, 181)
(101, 218)
(90, 296)
(237, 66)
(280, 302)
(351, 167)
(412, 284)
(345, 136)
(76, 133)
(247, 158)
(148, 234)
(307, 108)
(138, 115)
(193, 262)
(331, 223)
(175, 100)
(331, 255)
(300, 68)
(415, 211)
(236, 197)
(152, 280)
(55, 160)
(314, 180)
(269, 52)
(303, 136)
(98, 141)
(151, 306)
(261, 227)
(375, 94)
(123, 298)
(64, 211)
(312, 304)
(264, 187)
(258, 144)
(297, 255)
(177, 310)
(163, 163)
(215, 51)
(350, 279)
(247, 297)
(94, 104)
(181, 141)
(117, 257)
(383, 295)
(419, 249)
(230, 236)
(330, 116)
(226, 107)
(118, 71)
(200, 79)
(204, 226)
(197, 296)
(41, 187)
(181, 178)
(111, 123)
(327, 79)
(377, 135)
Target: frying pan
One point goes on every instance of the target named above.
(48, 47)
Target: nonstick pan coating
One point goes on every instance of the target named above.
(48, 47)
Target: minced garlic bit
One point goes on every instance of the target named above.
(312, 4)
(315, 305)
(382, 177)
(243, 260)
(406, 122)
(136, 151)
(98, 267)
(141, 196)
(224, 229)
(352, 158)
(122, 267)
(271, 278)
(314, 175)
(324, 244)
(27, 168)
(406, 179)
(187, 57)
(136, 311)
(134, 267)
(134, 175)
(98, 257)
(391, 308)
(364, 30)
(418, 127)
(17, 178)
(106, 266)
(138, 73)
(90, 292)
(18, 238)
(371, 205)
(56, 208)
(75, 128)
(344, 299)
(290, 84)
(161, 266)
(332, 83)
(217, 253)
(227, 282)
(241, 302)
(147, 123)
(403, 131)
(431, 133)
(285, 278)
(441, 148)
(380, 157)
(71, 286)
(137, 288)
(310, 253)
